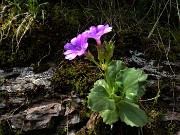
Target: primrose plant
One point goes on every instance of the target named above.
(116, 96)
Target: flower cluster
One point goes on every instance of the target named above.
(78, 45)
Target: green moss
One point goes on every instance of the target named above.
(171, 44)
(62, 131)
(24, 56)
(4, 95)
(3, 81)
(76, 76)
(174, 52)
(4, 57)
(175, 49)
(60, 23)
(172, 127)
(63, 14)
(162, 128)
(65, 20)
(4, 128)
(172, 56)
(19, 132)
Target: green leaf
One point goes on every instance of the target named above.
(132, 83)
(99, 98)
(113, 69)
(131, 114)
(110, 116)
(117, 96)
(101, 82)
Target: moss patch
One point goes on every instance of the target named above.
(76, 76)
(4, 128)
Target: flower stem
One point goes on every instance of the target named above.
(90, 57)
(96, 63)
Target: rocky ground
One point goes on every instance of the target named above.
(30, 104)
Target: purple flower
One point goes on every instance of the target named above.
(97, 32)
(77, 47)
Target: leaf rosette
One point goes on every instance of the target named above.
(116, 96)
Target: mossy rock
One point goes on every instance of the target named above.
(76, 76)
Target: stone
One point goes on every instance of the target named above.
(39, 116)
(2, 105)
(17, 100)
(74, 120)
(177, 133)
(1, 73)
(70, 117)
(170, 116)
(22, 79)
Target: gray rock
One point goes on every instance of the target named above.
(70, 120)
(74, 119)
(17, 100)
(26, 88)
(1, 73)
(2, 105)
(39, 116)
(72, 132)
(177, 133)
(24, 79)
(171, 116)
